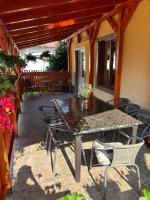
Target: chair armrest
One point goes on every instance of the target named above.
(60, 129)
(146, 128)
(122, 133)
(134, 137)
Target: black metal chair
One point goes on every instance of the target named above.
(61, 137)
(123, 102)
(48, 110)
(50, 117)
(144, 129)
(132, 109)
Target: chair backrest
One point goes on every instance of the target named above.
(144, 116)
(47, 110)
(126, 154)
(60, 135)
(132, 109)
(144, 129)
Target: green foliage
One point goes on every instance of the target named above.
(73, 196)
(146, 194)
(11, 60)
(58, 61)
(86, 91)
(30, 57)
(5, 85)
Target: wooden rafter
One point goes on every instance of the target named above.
(127, 16)
(47, 20)
(112, 24)
(57, 36)
(40, 4)
(92, 33)
(52, 11)
(46, 32)
(49, 27)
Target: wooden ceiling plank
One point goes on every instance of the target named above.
(40, 29)
(64, 35)
(56, 10)
(26, 5)
(47, 32)
(36, 43)
(49, 20)
(44, 36)
(58, 23)
(56, 37)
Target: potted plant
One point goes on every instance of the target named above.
(73, 196)
(45, 55)
(86, 91)
(30, 57)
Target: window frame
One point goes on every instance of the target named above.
(104, 38)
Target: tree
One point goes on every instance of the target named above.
(58, 61)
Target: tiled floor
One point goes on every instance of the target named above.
(31, 166)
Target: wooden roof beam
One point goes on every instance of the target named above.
(64, 35)
(107, 15)
(58, 23)
(49, 20)
(47, 32)
(51, 11)
(49, 27)
(25, 5)
(69, 32)
(56, 38)
(30, 44)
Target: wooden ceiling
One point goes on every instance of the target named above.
(31, 22)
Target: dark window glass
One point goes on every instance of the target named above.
(106, 62)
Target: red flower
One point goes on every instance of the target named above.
(6, 111)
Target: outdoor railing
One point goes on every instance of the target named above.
(34, 81)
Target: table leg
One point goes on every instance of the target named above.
(78, 145)
(134, 133)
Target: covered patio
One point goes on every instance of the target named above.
(31, 170)
(108, 48)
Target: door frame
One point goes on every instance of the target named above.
(82, 48)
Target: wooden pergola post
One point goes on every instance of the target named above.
(124, 17)
(92, 33)
(68, 52)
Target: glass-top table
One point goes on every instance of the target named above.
(100, 117)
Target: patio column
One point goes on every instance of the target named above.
(68, 52)
(124, 18)
(92, 33)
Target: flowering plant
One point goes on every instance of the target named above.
(6, 111)
(86, 90)
(6, 105)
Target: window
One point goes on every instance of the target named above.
(106, 62)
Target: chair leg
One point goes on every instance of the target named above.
(105, 181)
(50, 142)
(54, 162)
(84, 157)
(91, 160)
(138, 173)
(46, 139)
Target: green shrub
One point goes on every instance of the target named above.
(58, 61)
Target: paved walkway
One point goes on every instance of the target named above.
(31, 166)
